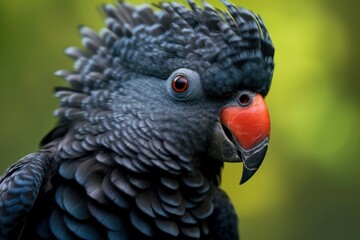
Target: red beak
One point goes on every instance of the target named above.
(248, 122)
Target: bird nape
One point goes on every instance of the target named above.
(156, 103)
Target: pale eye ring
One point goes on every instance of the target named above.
(184, 85)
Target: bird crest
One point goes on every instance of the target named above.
(229, 48)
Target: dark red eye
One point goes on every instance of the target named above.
(180, 84)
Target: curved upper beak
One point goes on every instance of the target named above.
(246, 123)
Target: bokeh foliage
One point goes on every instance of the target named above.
(308, 186)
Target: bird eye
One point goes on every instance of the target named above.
(180, 84)
(184, 85)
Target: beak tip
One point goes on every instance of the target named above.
(247, 174)
(252, 160)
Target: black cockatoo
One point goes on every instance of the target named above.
(157, 102)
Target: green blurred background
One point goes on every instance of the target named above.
(309, 185)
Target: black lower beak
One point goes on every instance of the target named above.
(252, 159)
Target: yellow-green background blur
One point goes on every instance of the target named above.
(309, 184)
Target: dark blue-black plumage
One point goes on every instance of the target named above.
(129, 157)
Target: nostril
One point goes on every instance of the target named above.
(244, 99)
